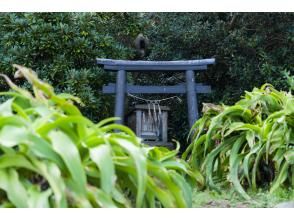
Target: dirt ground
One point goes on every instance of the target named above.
(230, 199)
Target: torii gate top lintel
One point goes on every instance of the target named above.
(187, 66)
(130, 65)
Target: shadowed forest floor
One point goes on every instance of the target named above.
(230, 199)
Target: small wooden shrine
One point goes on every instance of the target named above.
(150, 122)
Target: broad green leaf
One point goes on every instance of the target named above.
(64, 121)
(250, 137)
(7, 150)
(112, 127)
(176, 165)
(5, 108)
(101, 156)
(255, 166)
(43, 149)
(196, 174)
(233, 127)
(70, 155)
(167, 182)
(140, 163)
(106, 121)
(281, 177)
(16, 192)
(184, 186)
(289, 156)
(43, 111)
(289, 108)
(247, 162)
(268, 142)
(196, 151)
(20, 111)
(162, 153)
(53, 175)
(279, 157)
(102, 198)
(163, 195)
(119, 197)
(11, 136)
(38, 199)
(235, 159)
(211, 158)
(12, 120)
(17, 161)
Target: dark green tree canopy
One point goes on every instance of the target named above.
(62, 48)
(250, 49)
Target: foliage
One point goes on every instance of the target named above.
(250, 49)
(62, 48)
(53, 156)
(248, 144)
(290, 80)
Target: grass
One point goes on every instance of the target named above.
(228, 198)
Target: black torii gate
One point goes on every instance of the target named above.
(191, 88)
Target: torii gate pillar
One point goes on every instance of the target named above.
(191, 98)
(120, 95)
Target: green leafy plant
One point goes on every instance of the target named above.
(250, 49)
(62, 48)
(249, 144)
(290, 80)
(53, 156)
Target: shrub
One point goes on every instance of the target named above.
(248, 144)
(250, 49)
(62, 48)
(53, 156)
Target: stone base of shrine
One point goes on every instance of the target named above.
(160, 144)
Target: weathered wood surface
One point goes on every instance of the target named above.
(157, 63)
(155, 68)
(120, 96)
(160, 143)
(164, 127)
(176, 89)
(145, 107)
(191, 98)
(140, 65)
(135, 121)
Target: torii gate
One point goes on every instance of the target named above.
(191, 88)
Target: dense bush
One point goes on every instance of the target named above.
(62, 48)
(249, 144)
(250, 49)
(53, 156)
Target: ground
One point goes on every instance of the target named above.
(229, 199)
